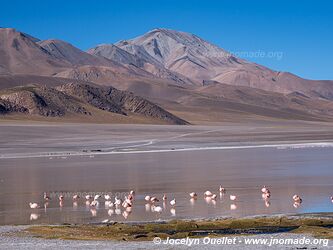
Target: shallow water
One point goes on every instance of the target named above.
(305, 171)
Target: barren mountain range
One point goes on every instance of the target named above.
(163, 76)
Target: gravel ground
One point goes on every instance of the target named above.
(8, 240)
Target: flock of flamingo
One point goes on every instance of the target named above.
(152, 201)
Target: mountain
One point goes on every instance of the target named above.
(79, 99)
(203, 62)
(19, 53)
(140, 59)
(23, 54)
(67, 52)
(180, 73)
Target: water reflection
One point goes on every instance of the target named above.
(176, 174)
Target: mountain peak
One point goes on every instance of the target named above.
(180, 52)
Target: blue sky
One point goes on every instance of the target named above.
(294, 36)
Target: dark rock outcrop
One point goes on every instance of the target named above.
(76, 98)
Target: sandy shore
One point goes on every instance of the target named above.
(301, 237)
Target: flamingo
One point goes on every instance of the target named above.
(34, 205)
(214, 196)
(173, 202)
(88, 197)
(130, 197)
(222, 189)
(61, 198)
(154, 199)
(46, 197)
(94, 203)
(117, 201)
(132, 192)
(129, 209)
(157, 209)
(193, 195)
(265, 196)
(164, 197)
(76, 197)
(208, 193)
(127, 203)
(173, 212)
(147, 198)
(332, 198)
(297, 198)
(264, 189)
(233, 197)
(97, 196)
(107, 197)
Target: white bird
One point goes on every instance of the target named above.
(126, 204)
(97, 196)
(264, 189)
(88, 197)
(173, 202)
(208, 193)
(61, 197)
(107, 204)
(129, 209)
(117, 201)
(265, 196)
(157, 209)
(94, 203)
(233, 197)
(33, 205)
(214, 196)
(154, 199)
(46, 197)
(222, 189)
(193, 195)
(297, 198)
(76, 197)
(107, 197)
(147, 198)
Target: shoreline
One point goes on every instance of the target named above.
(127, 150)
(316, 225)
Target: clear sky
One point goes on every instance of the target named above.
(294, 36)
